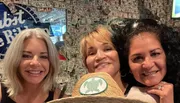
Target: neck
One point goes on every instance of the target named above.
(32, 88)
(31, 94)
(121, 84)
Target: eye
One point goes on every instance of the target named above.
(138, 59)
(108, 48)
(91, 52)
(44, 56)
(26, 56)
(155, 54)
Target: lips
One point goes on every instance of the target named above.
(101, 65)
(34, 72)
(150, 73)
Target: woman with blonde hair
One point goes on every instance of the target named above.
(99, 54)
(30, 67)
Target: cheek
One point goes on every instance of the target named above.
(134, 69)
(115, 57)
(164, 68)
(89, 60)
(117, 64)
(164, 64)
(22, 67)
(161, 64)
(89, 64)
(23, 64)
(46, 65)
(131, 66)
(136, 73)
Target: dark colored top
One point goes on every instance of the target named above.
(127, 90)
(7, 99)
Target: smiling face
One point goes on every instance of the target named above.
(102, 57)
(34, 65)
(147, 59)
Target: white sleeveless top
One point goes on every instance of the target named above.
(139, 93)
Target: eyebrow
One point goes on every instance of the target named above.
(30, 52)
(91, 47)
(137, 54)
(155, 49)
(105, 43)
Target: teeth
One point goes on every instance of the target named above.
(150, 73)
(34, 72)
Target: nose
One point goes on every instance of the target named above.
(35, 61)
(148, 63)
(100, 55)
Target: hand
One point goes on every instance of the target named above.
(164, 90)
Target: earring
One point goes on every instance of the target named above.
(124, 74)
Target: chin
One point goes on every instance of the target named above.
(152, 83)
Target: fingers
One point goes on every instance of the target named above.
(161, 86)
(163, 90)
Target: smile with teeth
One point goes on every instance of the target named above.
(152, 73)
(34, 71)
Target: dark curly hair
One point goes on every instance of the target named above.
(169, 40)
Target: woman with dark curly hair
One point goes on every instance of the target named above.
(150, 60)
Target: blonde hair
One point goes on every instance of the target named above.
(101, 34)
(13, 57)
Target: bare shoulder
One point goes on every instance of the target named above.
(58, 93)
